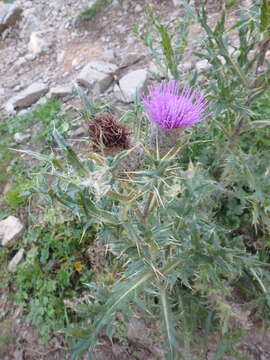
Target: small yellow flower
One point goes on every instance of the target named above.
(78, 266)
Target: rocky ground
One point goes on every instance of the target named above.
(44, 51)
(47, 46)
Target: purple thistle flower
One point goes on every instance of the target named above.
(170, 107)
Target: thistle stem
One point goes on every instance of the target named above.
(147, 206)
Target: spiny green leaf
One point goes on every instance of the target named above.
(168, 323)
(71, 155)
(35, 155)
(88, 105)
(95, 212)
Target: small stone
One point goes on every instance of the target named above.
(60, 56)
(2, 91)
(28, 96)
(30, 57)
(28, 4)
(97, 75)
(130, 40)
(10, 108)
(138, 8)
(10, 230)
(17, 88)
(109, 55)
(15, 260)
(37, 44)
(60, 91)
(78, 67)
(9, 14)
(21, 61)
(130, 59)
(131, 85)
(202, 65)
(24, 112)
(22, 137)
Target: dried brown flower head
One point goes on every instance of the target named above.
(105, 129)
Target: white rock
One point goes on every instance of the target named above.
(130, 85)
(9, 14)
(15, 260)
(17, 87)
(60, 56)
(130, 40)
(97, 75)
(28, 96)
(130, 59)
(59, 91)
(10, 230)
(22, 137)
(28, 4)
(176, 2)
(21, 61)
(10, 108)
(30, 57)
(202, 65)
(138, 8)
(24, 112)
(2, 91)
(37, 44)
(109, 55)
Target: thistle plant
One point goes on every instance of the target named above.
(170, 109)
(175, 226)
(160, 224)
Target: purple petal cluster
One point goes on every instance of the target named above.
(170, 106)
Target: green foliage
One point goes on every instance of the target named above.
(91, 12)
(166, 225)
(230, 3)
(49, 277)
(14, 170)
(170, 38)
(15, 197)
